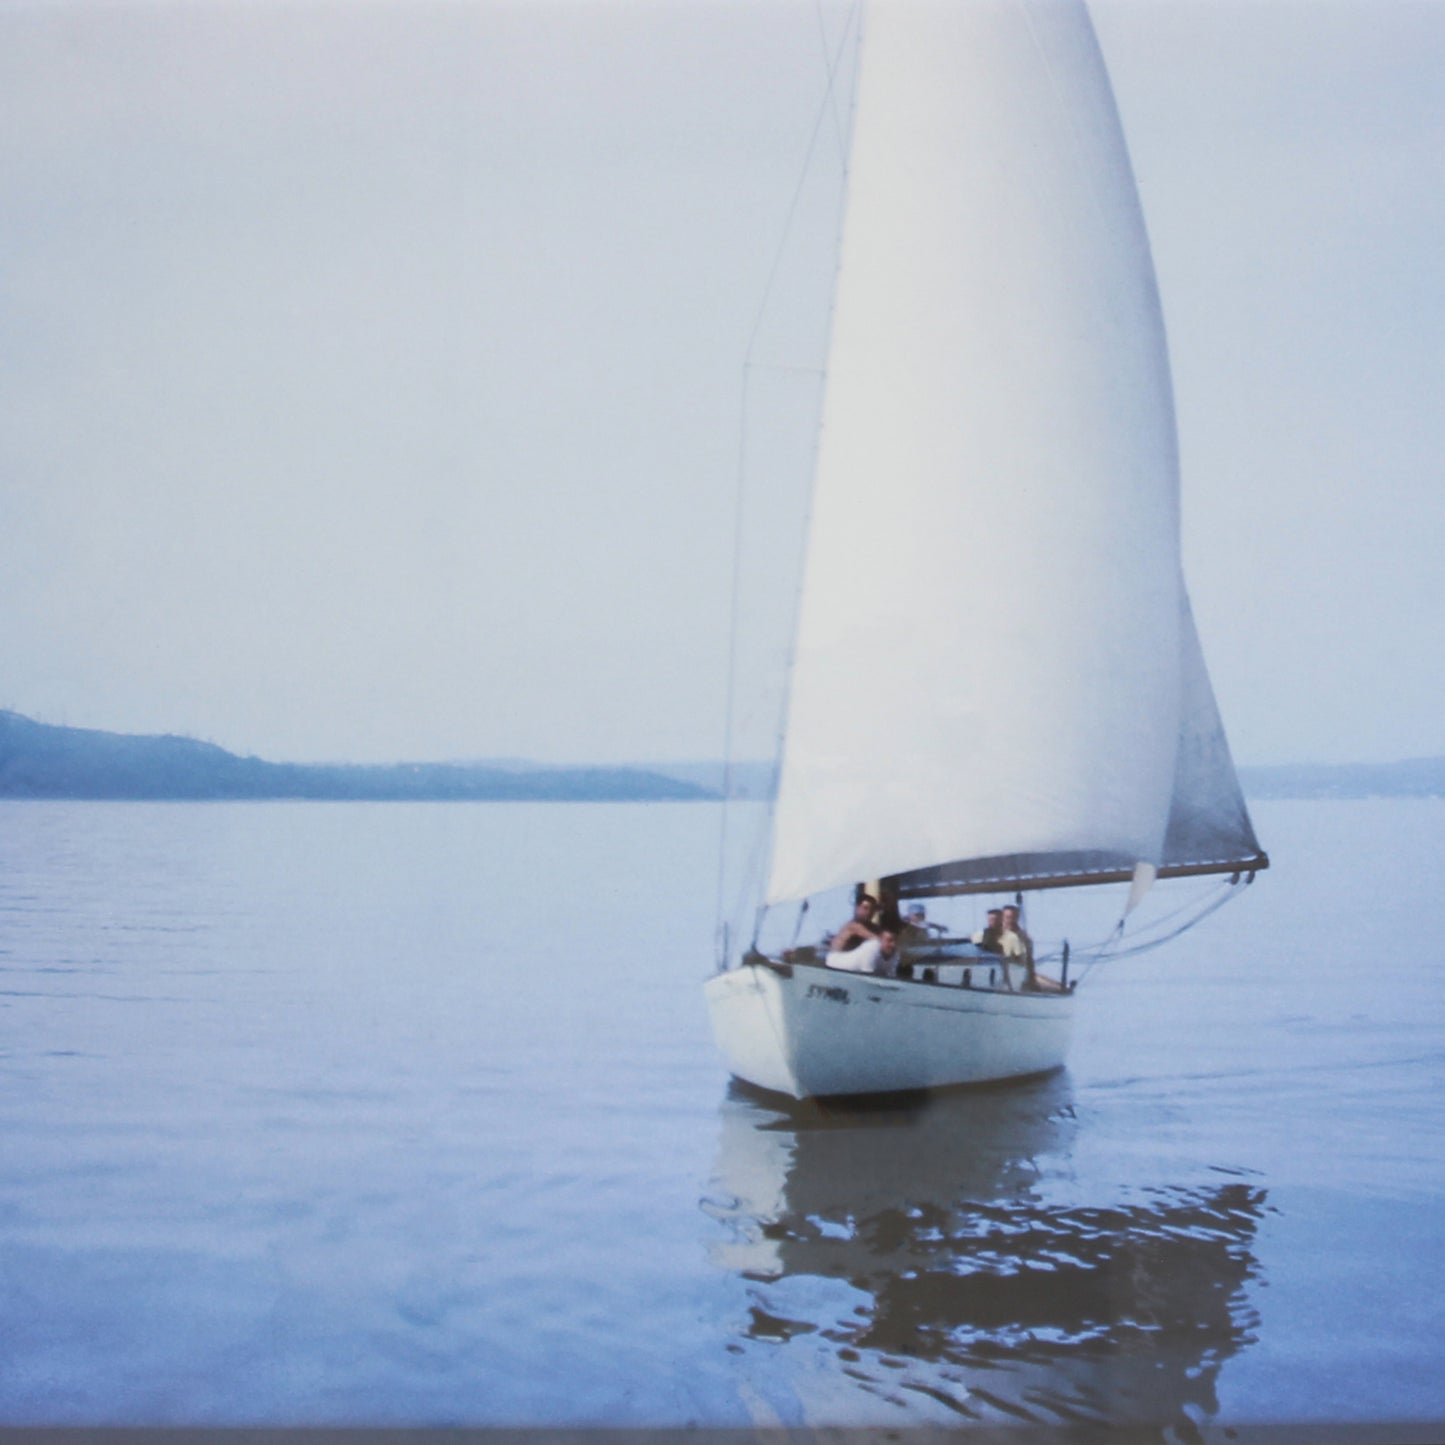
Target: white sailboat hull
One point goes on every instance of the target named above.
(811, 1032)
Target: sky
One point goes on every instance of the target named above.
(371, 373)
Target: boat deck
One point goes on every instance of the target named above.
(945, 963)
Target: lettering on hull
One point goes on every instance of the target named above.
(818, 990)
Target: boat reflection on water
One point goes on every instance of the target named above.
(924, 1252)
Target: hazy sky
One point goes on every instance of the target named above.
(371, 372)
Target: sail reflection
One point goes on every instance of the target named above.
(971, 1290)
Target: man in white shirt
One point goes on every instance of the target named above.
(1018, 947)
(874, 955)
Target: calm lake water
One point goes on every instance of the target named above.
(409, 1114)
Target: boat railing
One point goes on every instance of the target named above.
(925, 964)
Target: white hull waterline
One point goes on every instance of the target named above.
(812, 1032)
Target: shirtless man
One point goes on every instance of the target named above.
(859, 929)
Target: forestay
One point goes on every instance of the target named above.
(995, 663)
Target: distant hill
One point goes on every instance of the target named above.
(1414, 778)
(39, 760)
(746, 779)
(1418, 778)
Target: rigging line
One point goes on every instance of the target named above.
(1094, 954)
(798, 926)
(833, 106)
(1186, 905)
(854, 16)
(730, 697)
(1097, 949)
(781, 731)
(1153, 943)
(738, 506)
(1222, 894)
(750, 884)
(823, 111)
(1184, 927)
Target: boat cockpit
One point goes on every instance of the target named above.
(940, 962)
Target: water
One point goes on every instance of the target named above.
(408, 1114)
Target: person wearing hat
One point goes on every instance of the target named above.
(916, 927)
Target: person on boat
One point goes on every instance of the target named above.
(1015, 944)
(878, 955)
(989, 937)
(916, 927)
(889, 956)
(859, 929)
(888, 915)
(1018, 947)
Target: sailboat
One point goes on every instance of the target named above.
(996, 682)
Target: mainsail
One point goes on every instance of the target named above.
(996, 678)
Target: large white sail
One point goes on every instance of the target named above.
(1208, 830)
(991, 660)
